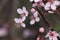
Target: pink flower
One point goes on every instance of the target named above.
(34, 16)
(41, 30)
(35, 19)
(35, 13)
(19, 22)
(22, 11)
(52, 35)
(33, 10)
(51, 5)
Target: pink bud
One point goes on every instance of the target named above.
(41, 29)
(33, 10)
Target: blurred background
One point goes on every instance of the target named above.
(11, 32)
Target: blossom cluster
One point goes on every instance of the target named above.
(50, 6)
(23, 13)
(34, 17)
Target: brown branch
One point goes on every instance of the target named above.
(43, 17)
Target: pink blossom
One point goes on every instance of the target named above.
(34, 16)
(51, 5)
(52, 35)
(22, 11)
(19, 22)
(41, 30)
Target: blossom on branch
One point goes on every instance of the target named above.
(34, 17)
(52, 35)
(41, 29)
(51, 6)
(19, 22)
(22, 11)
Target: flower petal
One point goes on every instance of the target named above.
(53, 7)
(23, 18)
(32, 22)
(56, 3)
(26, 13)
(24, 8)
(16, 20)
(37, 19)
(50, 12)
(20, 20)
(20, 11)
(35, 14)
(55, 38)
(23, 25)
(34, 4)
(41, 30)
(47, 6)
(33, 10)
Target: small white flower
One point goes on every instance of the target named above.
(56, 3)
(47, 6)
(37, 19)
(50, 12)
(41, 30)
(22, 11)
(33, 10)
(53, 7)
(17, 20)
(35, 14)
(34, 19)
(25, 11)
(32, 22)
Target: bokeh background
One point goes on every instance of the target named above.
(8, 13)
